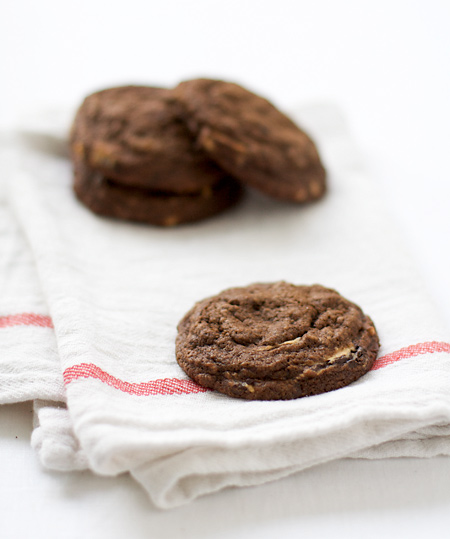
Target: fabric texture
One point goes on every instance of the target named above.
(29, 363)
(112, 293)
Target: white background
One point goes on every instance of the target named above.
(386, 64)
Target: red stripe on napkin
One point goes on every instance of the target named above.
(411, 351)
(26, 319)
(175, 386)
(163, 386)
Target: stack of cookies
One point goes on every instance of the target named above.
(167, 157)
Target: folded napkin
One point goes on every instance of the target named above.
(112, 294)
(29, 363)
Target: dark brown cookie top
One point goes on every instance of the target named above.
(107, 198)
(133, 134)
(276, 341)
(251, 139)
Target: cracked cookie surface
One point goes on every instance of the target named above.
(276, 341)
(252, 140)
(134, 136)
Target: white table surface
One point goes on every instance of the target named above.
(387, 65)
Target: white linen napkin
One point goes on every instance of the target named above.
(116, 291)
(29, 363)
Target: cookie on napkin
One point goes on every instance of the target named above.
(276, 341)
(252, 140)
(134, 159)
(110, 199)
(134, 136)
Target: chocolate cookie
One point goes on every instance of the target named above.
(106, 197)
(133, 135)
(252, 140)
(276, 341)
